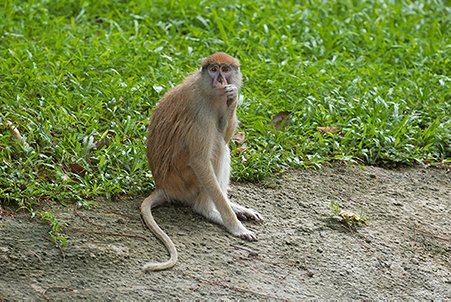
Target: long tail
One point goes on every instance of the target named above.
(146, 211)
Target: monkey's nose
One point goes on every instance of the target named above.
(220, 82)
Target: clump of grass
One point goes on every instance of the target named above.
(56, 228)
(79, 80)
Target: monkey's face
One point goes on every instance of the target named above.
(221, 74)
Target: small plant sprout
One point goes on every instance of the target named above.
(347, 217)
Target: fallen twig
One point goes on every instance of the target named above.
(430, 235)
(16, 134)
(250, 251)
(234, 288)
(79, 230)
(59, 288)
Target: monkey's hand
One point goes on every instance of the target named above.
(231, 92)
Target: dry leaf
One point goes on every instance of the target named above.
(45, 174)
(328, 129)
(77, 169)
(38, 289)
(352, 218)
(16, 134)
(281, 119)
(6, 212)
(239, 138)
(240, 150)
(65, 177)
(102, 143)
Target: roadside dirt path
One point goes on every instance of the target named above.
(402, 253)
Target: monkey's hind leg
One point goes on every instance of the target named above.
(241, 212)
(223, 170)
(205, 207)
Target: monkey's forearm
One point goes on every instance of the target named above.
(231, 102)
(232, 124)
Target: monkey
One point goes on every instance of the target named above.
(188, 153)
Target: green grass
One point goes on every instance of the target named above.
(79, 81)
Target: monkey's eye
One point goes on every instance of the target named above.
(214, 69)
(225, 68)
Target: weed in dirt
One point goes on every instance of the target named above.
(56, 228)
(347, 217)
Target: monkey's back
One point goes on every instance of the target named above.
(172, 123)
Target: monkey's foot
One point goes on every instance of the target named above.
(249, 236)
(243, 213)
(243, 233)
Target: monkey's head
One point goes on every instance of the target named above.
(221, 69)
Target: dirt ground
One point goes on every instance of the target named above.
(402, 253)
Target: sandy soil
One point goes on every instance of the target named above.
(402, 253)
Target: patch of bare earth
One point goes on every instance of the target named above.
(402, 253)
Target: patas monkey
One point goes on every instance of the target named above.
(188, 153)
